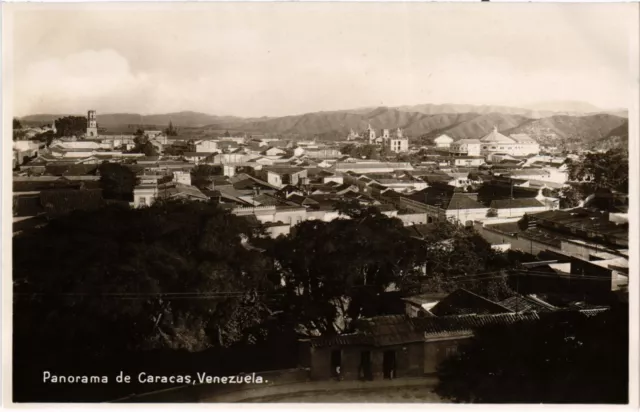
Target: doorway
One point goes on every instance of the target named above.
(336, 363)
(389, 364)
(365, 366)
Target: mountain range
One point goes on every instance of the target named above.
(420, 121)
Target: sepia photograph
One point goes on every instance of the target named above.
(315, 202)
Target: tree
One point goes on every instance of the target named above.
(492, 213)
(226, 134)
(171, 131)
(572, 196)
(562, 358)
(175, 275)
(201, 175)
(609, 170)
(46, 137)
(456, 257)
(368, 151)
(174, 151)
(16, 124)
(385, 151)
(142, 144)
(335, 272)
(117, 181)
(71, 126)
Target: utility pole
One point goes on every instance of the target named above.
(511, 199)
(517, 291)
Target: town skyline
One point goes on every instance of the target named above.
(229, 61)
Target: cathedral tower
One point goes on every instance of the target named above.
(92, 124)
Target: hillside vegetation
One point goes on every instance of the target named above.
(421, 121)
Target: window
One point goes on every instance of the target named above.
(143, 201)
(451, 350)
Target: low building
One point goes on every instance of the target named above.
(396, 346)
(467, 161)
(517, 207)
(152, 133)
(182, 177)
(525, 145)
(443, 141)
(199, 157)
(443, 203)
(282, 176)
(371, 167)
(323, 153)
(207, 146)
(465, 147)
(144, 194)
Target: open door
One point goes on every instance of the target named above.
(365, 366)
(336, 363)
(389, 364)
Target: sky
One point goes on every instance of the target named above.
(277, 59)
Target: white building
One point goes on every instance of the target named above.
(399, 144)
(152, 133)
(443, 141)
(465, 147)
(207, 146)
(525, 145)
(515, 145)
(180, 176)
(144, 194)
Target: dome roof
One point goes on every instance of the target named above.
(495, 137)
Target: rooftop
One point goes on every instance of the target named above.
(515, 203)
(462, 302)
(467, 141)
(399, 329)
(496, 137)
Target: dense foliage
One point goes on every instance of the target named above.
(368, 151)
(117, 181)
(563, 358)
(335, 272)
(71, 126)
(188, 276)
(201, 175)
(609, 170)
(142, 144)
(173, 275)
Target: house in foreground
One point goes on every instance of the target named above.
(431, 330)
(396, 346)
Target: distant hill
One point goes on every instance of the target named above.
(457, 125)
(180, 119)
(568, 106)
(571, 129)
(618, 137)
(483, 124)
(421, 121)
(485, 109)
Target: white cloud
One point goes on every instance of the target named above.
(255, 60)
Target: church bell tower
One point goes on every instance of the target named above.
(92, 124)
